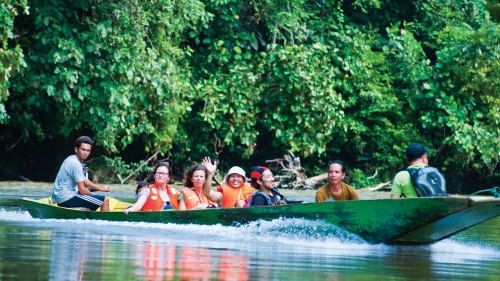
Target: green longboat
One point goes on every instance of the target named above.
(392, 221)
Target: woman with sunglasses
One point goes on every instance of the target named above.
(192, 197)
(158, 196)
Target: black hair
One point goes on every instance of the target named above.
(161, 164)
(190, 172)
(140, 185)
(337, 162)
(83, 139)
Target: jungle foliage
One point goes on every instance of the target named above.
(248, 80)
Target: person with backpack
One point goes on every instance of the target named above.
(419, 179)
(262, 179)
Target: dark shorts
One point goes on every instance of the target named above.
(91, 202)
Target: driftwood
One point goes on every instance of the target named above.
(374, 175)
(316, 181)
(290, 173)
(384, 185)
(136, 170)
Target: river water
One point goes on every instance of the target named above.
(34, 249)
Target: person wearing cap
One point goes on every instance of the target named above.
(262, 179)
(336, 190)
(233, 192)
(416, 155)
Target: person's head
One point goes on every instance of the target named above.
(83, 139)
(261, 177)
(83, 146)
(416, 151)
(236, 177)
(196, 175)
(336, 171)
(161, 172)
(140, 186)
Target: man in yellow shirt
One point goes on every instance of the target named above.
(336, 190)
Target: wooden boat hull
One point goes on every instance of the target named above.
(416, 220)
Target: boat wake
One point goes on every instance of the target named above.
(297, 232)
(299, 235)
(451, 251)
(7, 215)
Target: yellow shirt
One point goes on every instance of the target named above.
(324, 194)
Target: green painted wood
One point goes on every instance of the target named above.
(478, 212)
(376, 221)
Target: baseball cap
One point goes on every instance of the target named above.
(415, 151)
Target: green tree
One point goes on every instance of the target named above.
(465, 91)
(114, 69)
(11, 58)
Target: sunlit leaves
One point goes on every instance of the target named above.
(11, 57)
(112, 67)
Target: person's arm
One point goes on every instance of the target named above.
(182, 205)
(212, 195)
(290, 202)
(82, 189)
(138, 205)
(201, 206)
(396, 190)
(320, 196)
(94, 186)
(354, 194)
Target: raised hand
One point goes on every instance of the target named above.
(207, 162)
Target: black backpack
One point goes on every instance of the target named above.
(428, 181)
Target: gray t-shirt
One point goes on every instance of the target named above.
(65, 186)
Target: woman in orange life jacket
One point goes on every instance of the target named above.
(263, 180)
(192, 197)
(158, 196)
(233, 192)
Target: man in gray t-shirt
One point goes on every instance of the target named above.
(70, 187)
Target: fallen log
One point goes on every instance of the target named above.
(316, 181)
(384, 185)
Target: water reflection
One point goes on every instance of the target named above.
(82, 256)
(158, 261)
(161, 262)
(90, 250)
(34, 249)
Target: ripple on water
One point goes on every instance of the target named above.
(299, 234)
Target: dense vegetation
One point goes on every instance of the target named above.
(248, 80)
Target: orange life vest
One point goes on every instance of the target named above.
(230, 194)
(193, 198)
(154, 201)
